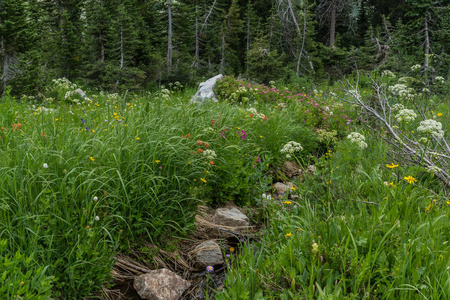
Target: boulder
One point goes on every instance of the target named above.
(291, 168)
(81, 93)
(160, 284)
(230, 217)
(206, 254)
(205, 90)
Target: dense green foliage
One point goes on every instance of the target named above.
(124, 44)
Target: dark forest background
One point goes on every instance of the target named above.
(139, 44)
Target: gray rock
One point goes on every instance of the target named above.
(81, 93)
(160, 284)
(291, 168)
(280, 189)
(311, 169)
(231, 217)
(207, 254)
(205, 90)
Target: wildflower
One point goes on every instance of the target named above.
(416, 68)
(392, 166)
(432, 127)
(290, 148)
(91, 158)
(203, 179)
(93, 131)
(410, 179)
(288, 234)
(287, 202)
(391, 183)
(293, 188)
(157, 161)
(231, 249)
(17, 126)
(82, 121)
(138, 138)
(406, 115)
(95, 198)
(243, 135)
(315, 248)
(439, 114)
(87, 227)
(209, 269)
(45, 166)
(358, 139)
(209, 154)
(211, 163)
(97, 218)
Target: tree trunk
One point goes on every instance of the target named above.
(248, 39)
(102, 43)
(197, 42)
(222, 60)
(169, 40)
(333, 23)
(427, 46)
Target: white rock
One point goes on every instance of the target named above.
(205, 90)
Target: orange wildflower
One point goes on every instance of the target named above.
(211, 163)
(199, 150)
(17, 126)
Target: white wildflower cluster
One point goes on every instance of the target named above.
(433, 169)
(272, 84)
(405, 114)
(425, 90)
(253, 112)
(42, 109)
(163, 93)
(416, 68)
(423, 140)
(397, 106)
(290, 148)
(388, 74)
(357, 138)
(432, 127)
(439, 79)
(209, 154)
(64, 83)
(209, 129)
(113, 97)
(402, 90)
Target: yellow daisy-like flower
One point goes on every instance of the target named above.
(410, 179)
(138, 138)
(231, 249)
(391, 183)
(392, 166)
(288, 234)
(203, 179)
(439, 114)
(157, 161)
(91, 158)
(287, 202)
(293, 188)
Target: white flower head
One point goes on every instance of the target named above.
(97, 218)
(416, 68)
(406, 115)
(95, 198)
(290, 148)
(358, 138)
(432, 127)
(209, 154)
(45, 166)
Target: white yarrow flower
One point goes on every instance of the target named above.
(357, 138)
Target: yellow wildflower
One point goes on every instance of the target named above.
(287, 202)
(91, 158)
(410, 179)
(392, 166)
(288, 234)
(203, 179)
(157, 161)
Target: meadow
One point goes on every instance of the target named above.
(85, 179)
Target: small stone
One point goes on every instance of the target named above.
(231, 217)
(160, 284)
(280, 189)
(207, 254)
(311, 169)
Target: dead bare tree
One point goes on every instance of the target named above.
(432, 153)
(169, 36)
